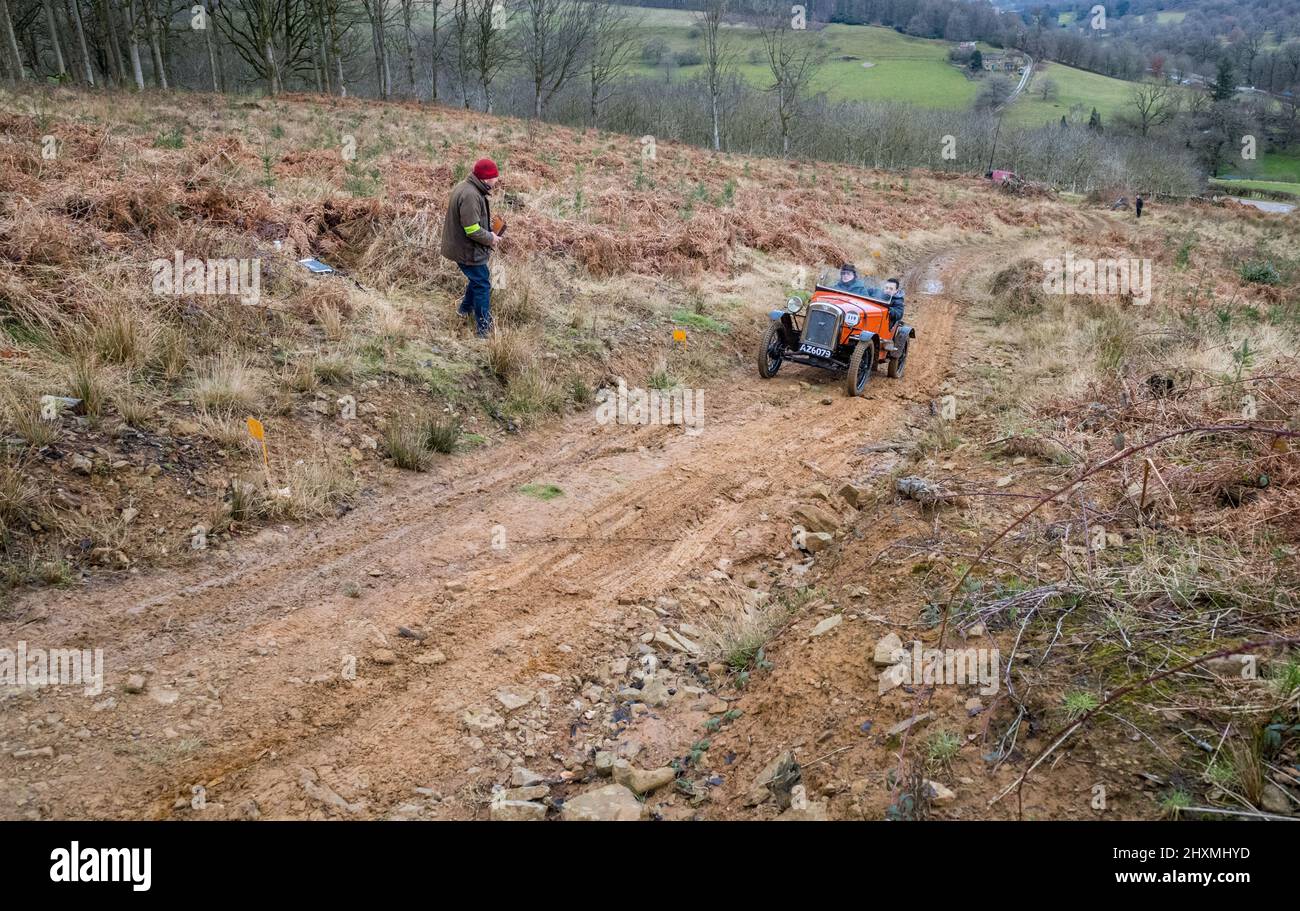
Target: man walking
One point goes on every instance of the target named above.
(468, 240)
(1137, 206)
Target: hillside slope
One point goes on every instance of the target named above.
(560, 592)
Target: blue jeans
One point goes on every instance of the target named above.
(478, 297)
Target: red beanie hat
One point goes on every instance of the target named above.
(485, 169)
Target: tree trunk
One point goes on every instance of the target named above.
(322, 48)
(73, 8)
(210, 39)
(273, 73)
(155, 49)
(54, 37)
(338, 57)
(377, 45)
(433, 94)
(11, 43)
(717, 130)
(410, 45)
(133, 45)
(113, 50)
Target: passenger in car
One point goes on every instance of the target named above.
(893, 295)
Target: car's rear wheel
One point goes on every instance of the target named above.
(771, 351)
(861, 364)
(898, 364)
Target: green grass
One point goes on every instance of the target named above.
(905, 69)
(1272, 186)
(541, 491)
(700, 321)
(1075, 87)
(1279, 167)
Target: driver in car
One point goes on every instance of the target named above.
(849, 280)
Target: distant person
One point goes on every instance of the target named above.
(1137, 205)
(468, 240)
(1121, 203)
(850, 282)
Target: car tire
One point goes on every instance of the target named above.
(861, 365)
(769, 363)
(898, 364)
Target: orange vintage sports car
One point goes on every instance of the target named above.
(838, 330)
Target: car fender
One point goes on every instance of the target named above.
(902, 330)
(775, 314)
(870, 337)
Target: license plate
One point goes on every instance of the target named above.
(814, 350)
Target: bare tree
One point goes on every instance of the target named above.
(209, 21)
(462, 33)
(72, 9)
(274, 37)
(377, 11)
(155, 45)
(439, 37)
(792, 60)
(613, 44)
(551, 34)
(993, 94)
(489, 47)
(106, 11)
(54, 38)
(133, 43)
(408, 13)
(14, 56)
(1153, 104)
(718, 59)
(1047, 89)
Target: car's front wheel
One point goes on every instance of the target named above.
(771, 351)
(861, 365)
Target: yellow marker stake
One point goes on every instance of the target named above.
(258, 432)
(679, 335)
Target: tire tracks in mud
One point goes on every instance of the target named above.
(244, 652)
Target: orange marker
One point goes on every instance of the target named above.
(258, 432)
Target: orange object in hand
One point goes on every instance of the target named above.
(498, 225)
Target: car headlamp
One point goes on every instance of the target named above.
(794, 305)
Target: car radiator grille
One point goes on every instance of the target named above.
(820, 329)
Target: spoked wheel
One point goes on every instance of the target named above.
(898, 364)
(861, 365)
(771, 352)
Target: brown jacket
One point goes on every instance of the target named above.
(467, 229)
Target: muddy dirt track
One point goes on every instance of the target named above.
(248, 653)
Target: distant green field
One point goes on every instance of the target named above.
(1170, 17)
(906, 69)
(1271, 166)
(1272, 186)
(1108, 95)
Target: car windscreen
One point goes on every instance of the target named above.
(829, 278)
(871, 292)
